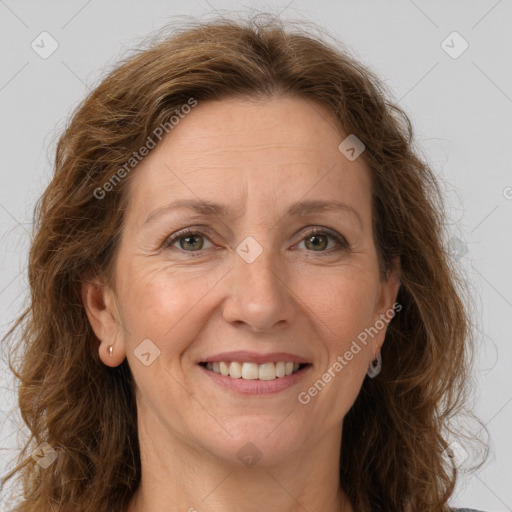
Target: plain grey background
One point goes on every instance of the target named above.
(459, 100)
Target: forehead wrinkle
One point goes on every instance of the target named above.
(198, 155)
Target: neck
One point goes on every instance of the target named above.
(179, 477)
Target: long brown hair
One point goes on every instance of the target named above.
(396, 432)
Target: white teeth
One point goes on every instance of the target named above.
(267, 371)
(235, 370)
(224, 368)
(253, 371)
(280, 369)
(249, 371)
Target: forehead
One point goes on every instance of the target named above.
(256, 126)
(274, 149)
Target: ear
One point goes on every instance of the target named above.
(386, 299)
(99, 303)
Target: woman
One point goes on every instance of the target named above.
(240, 296)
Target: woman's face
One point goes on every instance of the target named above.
(250, 278)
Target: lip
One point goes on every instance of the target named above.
(256, 386)
(243, 356)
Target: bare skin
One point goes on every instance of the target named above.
(199, 297)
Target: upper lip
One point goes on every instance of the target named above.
(255, 357)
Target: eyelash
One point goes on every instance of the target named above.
(339, 239)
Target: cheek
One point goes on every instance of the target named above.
(170, 310)
(163, 305)
(341, 307)
(341, 303)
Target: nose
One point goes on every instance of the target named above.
(259, 294)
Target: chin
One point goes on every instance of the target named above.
(257, 440)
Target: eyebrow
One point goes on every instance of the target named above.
(210, 209)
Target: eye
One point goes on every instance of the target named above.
(189, 240)
(317, 240)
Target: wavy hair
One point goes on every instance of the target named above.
(396, 433)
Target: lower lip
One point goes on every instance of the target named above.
(256, 386)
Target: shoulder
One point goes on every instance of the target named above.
(465, 510)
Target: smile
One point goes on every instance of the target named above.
(254, 371)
